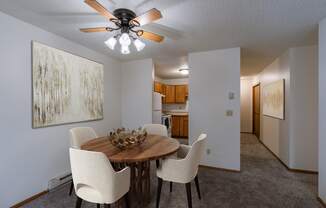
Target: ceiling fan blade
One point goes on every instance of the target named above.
(152, 36)
(164, 30)
(94, 29)
(100, 9)
(148, 17)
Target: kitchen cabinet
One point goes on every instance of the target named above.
(163, 93)
(173, 94)
(169, 94)
(175, 126)
(181, 93)
(185, 125)
(180, 126)
(158, 87)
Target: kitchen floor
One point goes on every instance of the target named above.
(262, 183)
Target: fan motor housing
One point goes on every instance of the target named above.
(124, 15)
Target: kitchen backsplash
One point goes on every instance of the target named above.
(171, 107)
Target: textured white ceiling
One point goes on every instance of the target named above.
(262, 28)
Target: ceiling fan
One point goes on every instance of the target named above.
(128, 24)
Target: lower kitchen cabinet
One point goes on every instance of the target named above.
(180, 126)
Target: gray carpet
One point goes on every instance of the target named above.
(262, 183)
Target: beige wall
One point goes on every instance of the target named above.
(246, 85)
(274, 133)
(246, 105)
(304, 105)
(322, 110)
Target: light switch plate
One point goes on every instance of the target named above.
(231, 96)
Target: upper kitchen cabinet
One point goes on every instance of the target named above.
(181, 93)
(158, 87)
(173, 94)
(170, 94)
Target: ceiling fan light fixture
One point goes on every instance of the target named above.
(111, 42)
(125, 49)
(124, 39)
(139, 45)
(127, 24)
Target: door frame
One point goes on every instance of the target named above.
(253, 107)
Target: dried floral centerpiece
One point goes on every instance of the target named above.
(125, 139)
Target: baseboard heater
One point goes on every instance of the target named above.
(59, 181)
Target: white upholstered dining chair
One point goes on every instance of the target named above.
(95, 180)
(79, 136)
(182, 169)
(156, 129)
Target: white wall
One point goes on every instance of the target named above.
(213, 75)
(294, 140)
(304, 102)
(322, 110)
(136, 94)
(274, 132)
(30, 157)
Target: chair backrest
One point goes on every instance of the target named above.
(195, 154)
(80, 135)
(92, 175)
(156, 129)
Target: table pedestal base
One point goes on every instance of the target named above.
(139, 194)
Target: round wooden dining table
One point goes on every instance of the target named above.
(138, 159)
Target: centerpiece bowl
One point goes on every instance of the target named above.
(126, 139)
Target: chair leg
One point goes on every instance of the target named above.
(79, 202)
(159, 188)
(188, 188)
(170, 187)
(157, 163)
(197, 187)
(127, 200)
(71, 188)
(107, 205)
(98, 206)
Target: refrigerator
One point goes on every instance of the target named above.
(157, 108)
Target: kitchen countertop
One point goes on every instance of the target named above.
(176, 113)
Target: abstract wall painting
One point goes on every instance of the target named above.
(273, 99)
(66, 88)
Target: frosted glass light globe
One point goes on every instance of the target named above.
(124, 39)
(111, 42)
(125, 49)
(139, 45)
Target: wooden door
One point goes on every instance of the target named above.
(256, 110)
(169, 94)
(175, 126)
(180, 93)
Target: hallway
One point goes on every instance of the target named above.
(263, 183)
